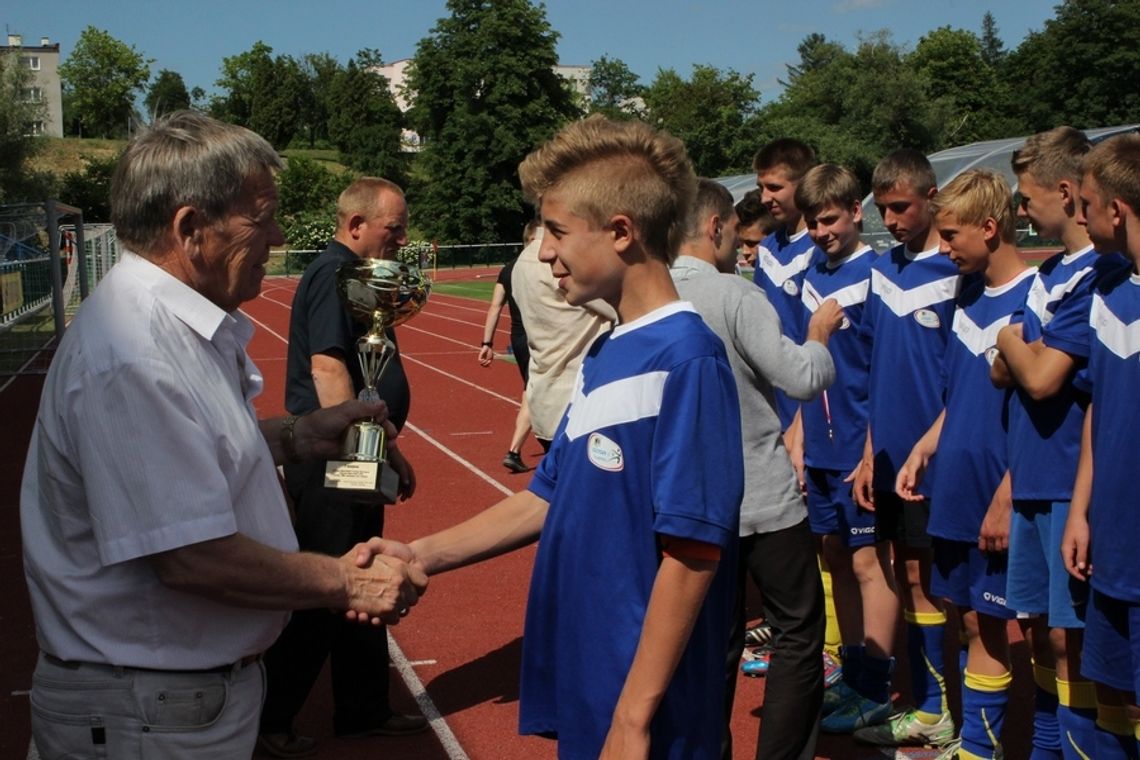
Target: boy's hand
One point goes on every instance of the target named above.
(828, 317)
(1075, 547)
(994, 535)
(910, 476)
(625, 742)
(486, 354)
(861, 480)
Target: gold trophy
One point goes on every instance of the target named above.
(382, 294)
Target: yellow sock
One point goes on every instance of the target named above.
(831, 639)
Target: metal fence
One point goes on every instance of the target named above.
(427, 256)
(49, 261)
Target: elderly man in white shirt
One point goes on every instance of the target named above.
(157, 547)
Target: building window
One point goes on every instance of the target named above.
(37, 128)
(33, 94)
(30, 61)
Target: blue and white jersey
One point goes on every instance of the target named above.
(649, 446)
(1113, 376)
(907, 322)
(971, 459)
(1045, 436)
(835, 422)
(781, 263)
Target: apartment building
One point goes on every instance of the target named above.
(43, 62)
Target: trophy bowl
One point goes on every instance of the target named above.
(382, 292)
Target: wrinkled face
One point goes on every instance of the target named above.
(234, 251)
(387, 232)
(750, 238)
(1043, 207)
(905, 212)
(581, 256)
(778, 193)
(835, 229)
(965, 244)
(1097, 217)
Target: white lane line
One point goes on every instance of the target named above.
(460, 321)
(449, 339)
(472, 432)
(267, 329)
(396, 655)
(459, 379)
(479, 473)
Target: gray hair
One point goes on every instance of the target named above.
(184, 159)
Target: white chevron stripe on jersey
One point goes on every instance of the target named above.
(904, 301)
(1040, 297)
(852, 295)
(1119, 338)
(626, 400)
(977, 339)
(778, 273)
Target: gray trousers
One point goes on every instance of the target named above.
(87, 710)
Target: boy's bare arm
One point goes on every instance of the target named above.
(513, 522)
(1040, 370)
(674, 604)
(1075, 541)
(914, 468)
(994, 534)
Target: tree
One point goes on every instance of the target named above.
(708, 113)
(103, 76)
(167, 93)
(319, 69)
(970, 102)
(486, 94)
(993, 50)
(364, 122)
(263, 93)
(90, 190)
(614, 90)
(1081, 69)
(241, 75)
(17, 115)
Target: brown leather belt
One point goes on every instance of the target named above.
(244, 662)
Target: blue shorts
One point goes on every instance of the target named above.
(1034, 555)
(832, 510)
(1111, 653)
(968, 577)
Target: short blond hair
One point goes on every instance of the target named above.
(1052, 156)
(1115, 165)
(977, 195)
(827, 185)
(609, 167)
(362, 198)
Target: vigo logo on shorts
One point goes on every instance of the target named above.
(994, 598)
(862, 531)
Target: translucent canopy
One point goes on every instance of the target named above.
(948, 164)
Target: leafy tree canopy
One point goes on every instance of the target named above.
(614, 90)
(364, 122)
(102, 76)
(167, 93)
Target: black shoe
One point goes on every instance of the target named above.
(513, 462)
(395, 725)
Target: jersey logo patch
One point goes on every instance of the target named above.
(790, 287)
(927, 318)
(604, 453)
(1119, 338)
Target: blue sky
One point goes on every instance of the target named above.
(756, 38)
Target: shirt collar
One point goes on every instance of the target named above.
(199, 313)
(693, 264)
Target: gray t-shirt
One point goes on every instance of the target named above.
(761, 358)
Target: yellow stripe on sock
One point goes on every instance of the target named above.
(966, 755)
(1114, 719)
(924, 618)
(1077, 694)
(1045, 678)
(990, 684)
(1073, 744)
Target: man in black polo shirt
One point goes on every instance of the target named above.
(372, 221)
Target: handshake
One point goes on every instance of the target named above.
(383, 581)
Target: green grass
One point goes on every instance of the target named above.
(480, 289)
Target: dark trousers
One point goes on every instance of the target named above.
(328, 524)
(784, 567)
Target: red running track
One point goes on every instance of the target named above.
(458, 652)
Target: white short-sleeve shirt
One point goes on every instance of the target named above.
(146, 441)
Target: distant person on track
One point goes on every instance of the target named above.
(502, 294)
(157, 548)
(557, 335)
(372, 222)
(638, 499)
(776, 545)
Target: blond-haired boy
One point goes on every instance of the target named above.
(970, 503)
(637, 501)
